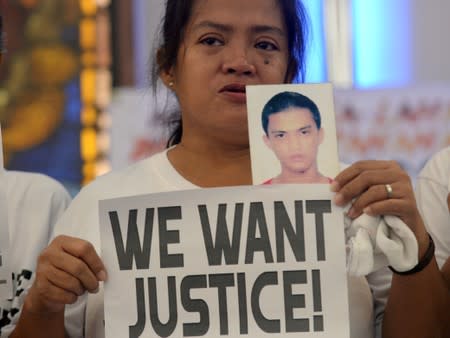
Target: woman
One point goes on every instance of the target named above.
(208, 54)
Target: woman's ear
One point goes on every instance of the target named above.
(165, 73)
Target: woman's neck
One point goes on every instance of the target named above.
(212, 164)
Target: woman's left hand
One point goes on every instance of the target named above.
(380, 188)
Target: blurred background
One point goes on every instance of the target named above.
(75, 99)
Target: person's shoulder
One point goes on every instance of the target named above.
(124, 181)
(438, 167)
(38, 197)
(82, 214)
(36, 184)
(441, 159)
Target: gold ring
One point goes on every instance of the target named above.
(388, 190)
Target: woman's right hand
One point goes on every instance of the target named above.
(65, 270)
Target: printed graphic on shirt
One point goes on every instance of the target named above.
(5, 272)
(9, 309)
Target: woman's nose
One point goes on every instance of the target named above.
(238, 64)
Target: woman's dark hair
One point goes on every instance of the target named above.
(173, 25)
(286, 100)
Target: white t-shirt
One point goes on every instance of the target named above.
(432, 189)
(34, 203)
(156, 174)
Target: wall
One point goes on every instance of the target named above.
(431, 43)
(148, 15)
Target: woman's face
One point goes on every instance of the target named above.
(227, 44)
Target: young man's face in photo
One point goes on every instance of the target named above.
(294, 138)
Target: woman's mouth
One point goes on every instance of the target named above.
(234, 92)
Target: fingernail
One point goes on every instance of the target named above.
(96, 290)
(334, 186)
(351, 213)
(368, 211)
(338, 199)
(101, 276)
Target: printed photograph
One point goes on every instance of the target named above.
(292, 133)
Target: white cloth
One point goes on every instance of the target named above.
(432, 189)
(156, 174)
(374, 242)
(34, 202)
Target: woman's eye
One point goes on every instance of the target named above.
(210, 41)
(266, 45)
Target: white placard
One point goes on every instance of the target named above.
(5, 271)
(261, 261)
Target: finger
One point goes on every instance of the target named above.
(58, 295)
(54, 294)
(363, 182)
(76, 268)
(357, 168)
(374, 194)
(395, 207)
(64, 281)
(86, 252)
